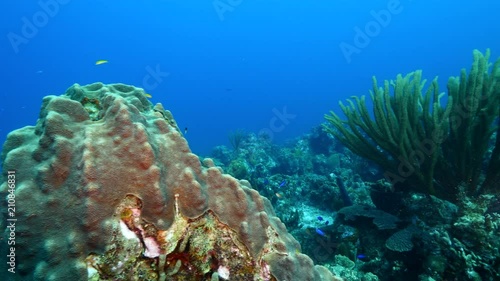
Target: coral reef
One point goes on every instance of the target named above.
(108, 189)
(386, 234)
(429, 147)
(381, 219)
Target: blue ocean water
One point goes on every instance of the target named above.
(221, 65)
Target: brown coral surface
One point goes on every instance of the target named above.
(108, 189)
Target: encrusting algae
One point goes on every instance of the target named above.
(190, 249)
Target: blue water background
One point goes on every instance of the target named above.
(235, 68)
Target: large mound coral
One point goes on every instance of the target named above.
(108, 189)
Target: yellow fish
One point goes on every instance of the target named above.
(101, 62)
(148, 95)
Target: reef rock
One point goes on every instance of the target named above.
(106, 188)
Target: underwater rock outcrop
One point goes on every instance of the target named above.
(107, 188)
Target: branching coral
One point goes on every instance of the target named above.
(416, 140)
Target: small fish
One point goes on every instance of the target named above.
(283, 183)
(148, 95)
(278, 195)
(320, 218)
(320, 232)
(361, 256)
(327, 222)
(39, 72)
(185, 130)
(101, 62)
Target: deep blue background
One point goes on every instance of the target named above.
(230, 72)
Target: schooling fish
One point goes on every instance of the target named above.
(320, 218)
